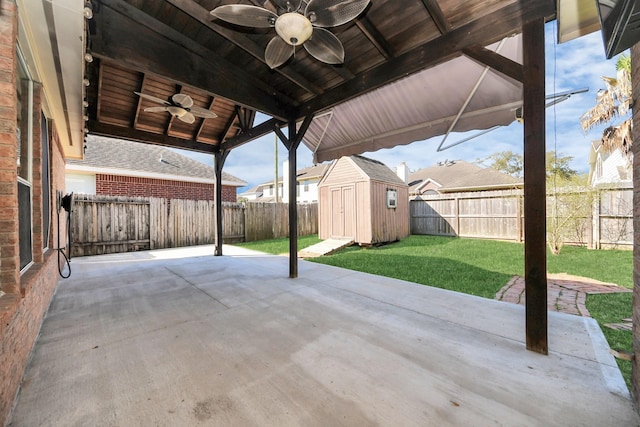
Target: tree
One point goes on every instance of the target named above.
(557, 166)
(504, 161)
(613, 101)
(513, 164)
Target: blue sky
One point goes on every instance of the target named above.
(569, 66)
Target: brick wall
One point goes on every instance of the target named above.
(115, 185)
(9, 249)
(27, 296)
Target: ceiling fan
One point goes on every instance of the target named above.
(179, 106)
(299, 22)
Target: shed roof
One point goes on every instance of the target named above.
(459, 175)
(368, 168)
(376, 170)
(116, 156)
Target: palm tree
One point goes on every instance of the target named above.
(614, 101)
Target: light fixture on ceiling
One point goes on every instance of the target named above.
(297, 22)
(294, 28)
(86, 82)
(88, 57)
(88, 10)
(85, 103)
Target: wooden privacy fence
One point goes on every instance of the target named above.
(606, 221)
(109, 224)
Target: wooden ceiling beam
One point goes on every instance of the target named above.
(128, 36)
(506, 21)
(113, 131)
(438, 17)
(139, 105)
(496, 61)
(374, 36)
(201, 127)
(251, 134)
(202, 15)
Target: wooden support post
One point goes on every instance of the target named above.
(292, 143)
(219, 157)
(535, 249)
(293, 201)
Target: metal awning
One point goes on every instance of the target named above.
(458, 95)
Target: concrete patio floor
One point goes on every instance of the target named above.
(181, 338)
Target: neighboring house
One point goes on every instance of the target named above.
(609, 169)
(251, 194)
(362, 199)
(306, 189)
(123, 168)
(456, 176)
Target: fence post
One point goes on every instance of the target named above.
(596, 220)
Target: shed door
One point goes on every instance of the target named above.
(343, 212)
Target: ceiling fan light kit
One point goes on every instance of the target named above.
(300, 23)
(293, 28)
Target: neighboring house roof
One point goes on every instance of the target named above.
(252, 190)
(310, 172)
(118, 157)
(459, 175)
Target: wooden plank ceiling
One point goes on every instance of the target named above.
(176, 46)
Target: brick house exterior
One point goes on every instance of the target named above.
(115, 167)
(28, 259)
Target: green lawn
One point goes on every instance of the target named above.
(279, 246)
(482, 267)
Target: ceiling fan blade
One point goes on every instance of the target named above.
(325, 46)
(187, 118)
(182, 100)
(245, 15)
(152, 98)
(278, 52)
(155, 109)
(331, 13)
(288, 5)
(204, 113)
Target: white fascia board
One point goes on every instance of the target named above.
(152, 175)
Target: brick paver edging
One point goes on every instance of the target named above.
(565, 296)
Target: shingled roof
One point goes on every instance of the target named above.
(376, 170)
(459, 175)
(120, 157)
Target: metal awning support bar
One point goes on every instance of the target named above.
(469, 98)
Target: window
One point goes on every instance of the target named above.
(24, 137)
(392, 198)
(306, 186)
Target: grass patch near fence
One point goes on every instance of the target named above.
(279, 246)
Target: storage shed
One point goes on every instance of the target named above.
(362, 199)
